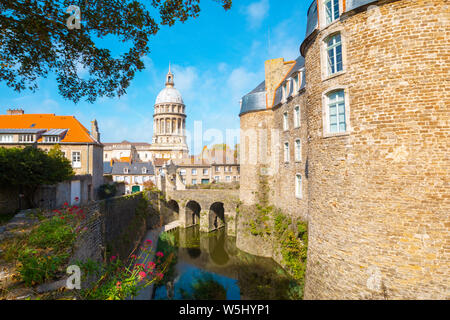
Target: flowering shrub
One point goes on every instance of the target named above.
(120, 281)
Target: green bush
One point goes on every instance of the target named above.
(107, 191)
(35, 268)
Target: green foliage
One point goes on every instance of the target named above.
(55, 233)
(29, 168)
(38, 42)
(107, 191)
(260, 223)
(37, 268)
(43, 254)
(168, 244)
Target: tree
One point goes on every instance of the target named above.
(35, 40)
(29, 168)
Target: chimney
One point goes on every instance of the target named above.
(14, 112)
(276, 70)
(94, 130)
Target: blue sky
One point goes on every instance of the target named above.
(216, 58)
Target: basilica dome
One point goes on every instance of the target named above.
(169, 95)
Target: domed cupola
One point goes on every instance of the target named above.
(169, 94)
(169, 127)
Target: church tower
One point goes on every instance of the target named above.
(169, 127)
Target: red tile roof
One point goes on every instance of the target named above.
(77, 133)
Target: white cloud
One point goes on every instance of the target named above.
(256, 12)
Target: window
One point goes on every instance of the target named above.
(106, 156)
(336, 112)
(194, 182)
(286, 152)
(194, 172)
(205, 172)
(284, 91)
(297, 117)
(6, 138)
(76, 159)
(298, 186)
(26, 138)
(126, 170)
(285, 121)
(334, 54)
(183, 172)
(144, 170)
(217, 169)
(217, 178)
(51, 139)
(331, 10)
(298, 150)
(296, 82)
(228, 179)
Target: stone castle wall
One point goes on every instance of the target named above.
(379, 198)
(376, 198)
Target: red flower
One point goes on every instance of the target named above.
(76, 198)
(113, 258)
(65, 204)
(160, 254)
(142, 275)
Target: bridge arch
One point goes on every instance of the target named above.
(216, 216)
(192, 213)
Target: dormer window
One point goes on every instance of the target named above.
(26, 138)
(126, 170)
(297, 82)
(331, 8)
(144, 170)
(284, 90)
(51, 139)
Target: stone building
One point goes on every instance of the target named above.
(352, 137)
(134, 175)
(81, 147)
(169, 143)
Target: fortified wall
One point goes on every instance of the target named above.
(375, 195)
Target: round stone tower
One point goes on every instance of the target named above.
(378, 123)
(169, 128)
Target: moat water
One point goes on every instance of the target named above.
(209, 266)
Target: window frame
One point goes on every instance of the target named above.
(285, 121)
(298, 189)
(286, 152)
(333, 17)
(297, 117)
(72, 159)
(326, 116)
(332, 66)
(298, 150)
(9, 140)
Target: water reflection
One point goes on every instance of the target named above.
(210, 267)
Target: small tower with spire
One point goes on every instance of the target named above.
(169, 79)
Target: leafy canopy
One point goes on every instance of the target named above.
(31, 167)
(35, 40)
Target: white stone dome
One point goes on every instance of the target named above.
(169, 95)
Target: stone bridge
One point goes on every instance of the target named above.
(211, 209)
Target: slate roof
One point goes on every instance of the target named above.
(134, 169)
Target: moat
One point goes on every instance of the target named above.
(209, 266)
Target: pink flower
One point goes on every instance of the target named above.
(151, 265)
(119, 285)
(142, 275)
(159, 254)
(113, 258)
(76, 198)
(65, 204)
(159, 276)
(148, 242)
